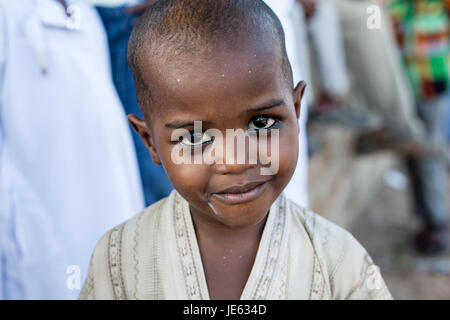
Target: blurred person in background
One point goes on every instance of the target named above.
(118, 17)
(378, 81)
(67, 170)
(326, 44)
(447, 125)
(423, 33)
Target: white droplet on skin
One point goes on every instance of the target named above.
(178, 80)
(240, 257)
(213, 209)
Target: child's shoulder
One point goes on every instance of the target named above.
(321, 231)
(122, 235)
(344, 263)
(144, 218)
(116, 255)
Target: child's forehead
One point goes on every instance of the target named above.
(221, 57)
(239, 70)
(224, 102)
(209, 86)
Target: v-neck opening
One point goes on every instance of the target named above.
(257, 276)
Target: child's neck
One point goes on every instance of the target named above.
(212, 230)
(228, 254)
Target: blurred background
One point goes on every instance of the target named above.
(375, 126)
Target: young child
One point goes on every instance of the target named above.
(226, 231)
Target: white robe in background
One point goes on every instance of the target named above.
(295, 29)
(155, 255)
(68, 170)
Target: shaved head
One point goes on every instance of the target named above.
(173, 32)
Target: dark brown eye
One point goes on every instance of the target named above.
(261, 122)
(195, 138)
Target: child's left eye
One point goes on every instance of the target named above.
(195, 139)
(261, 123)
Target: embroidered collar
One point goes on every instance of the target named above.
(266, 269)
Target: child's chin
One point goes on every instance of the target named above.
(239, 217)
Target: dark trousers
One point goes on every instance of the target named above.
(429, 173)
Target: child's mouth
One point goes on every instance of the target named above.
(242, 194)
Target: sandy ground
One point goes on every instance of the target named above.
(385, 229)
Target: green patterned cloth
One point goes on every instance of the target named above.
(423, 28)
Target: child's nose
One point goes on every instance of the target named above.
(233, 168)
(235, 158)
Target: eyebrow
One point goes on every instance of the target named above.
(269, 105)
(181, 124)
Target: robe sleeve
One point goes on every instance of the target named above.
(356, 276)
(371, 285)
(98, 282)
(88, 290)
(327, 39)
(3, 39)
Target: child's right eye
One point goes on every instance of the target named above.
(193, 139)
(261, 123)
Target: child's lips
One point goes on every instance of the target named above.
(241, 194)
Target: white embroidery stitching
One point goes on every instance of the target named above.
(115, 263)
(273, 254)
(185, 251)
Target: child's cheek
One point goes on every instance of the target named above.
(288, 150)
(190, 177)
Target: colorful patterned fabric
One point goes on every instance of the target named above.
(423, 32)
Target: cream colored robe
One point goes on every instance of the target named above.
(301, 255)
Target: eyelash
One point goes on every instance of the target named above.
(275, 125)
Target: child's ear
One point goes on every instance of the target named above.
(298, 95)
(144, 132)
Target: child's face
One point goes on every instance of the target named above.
(223, 94)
